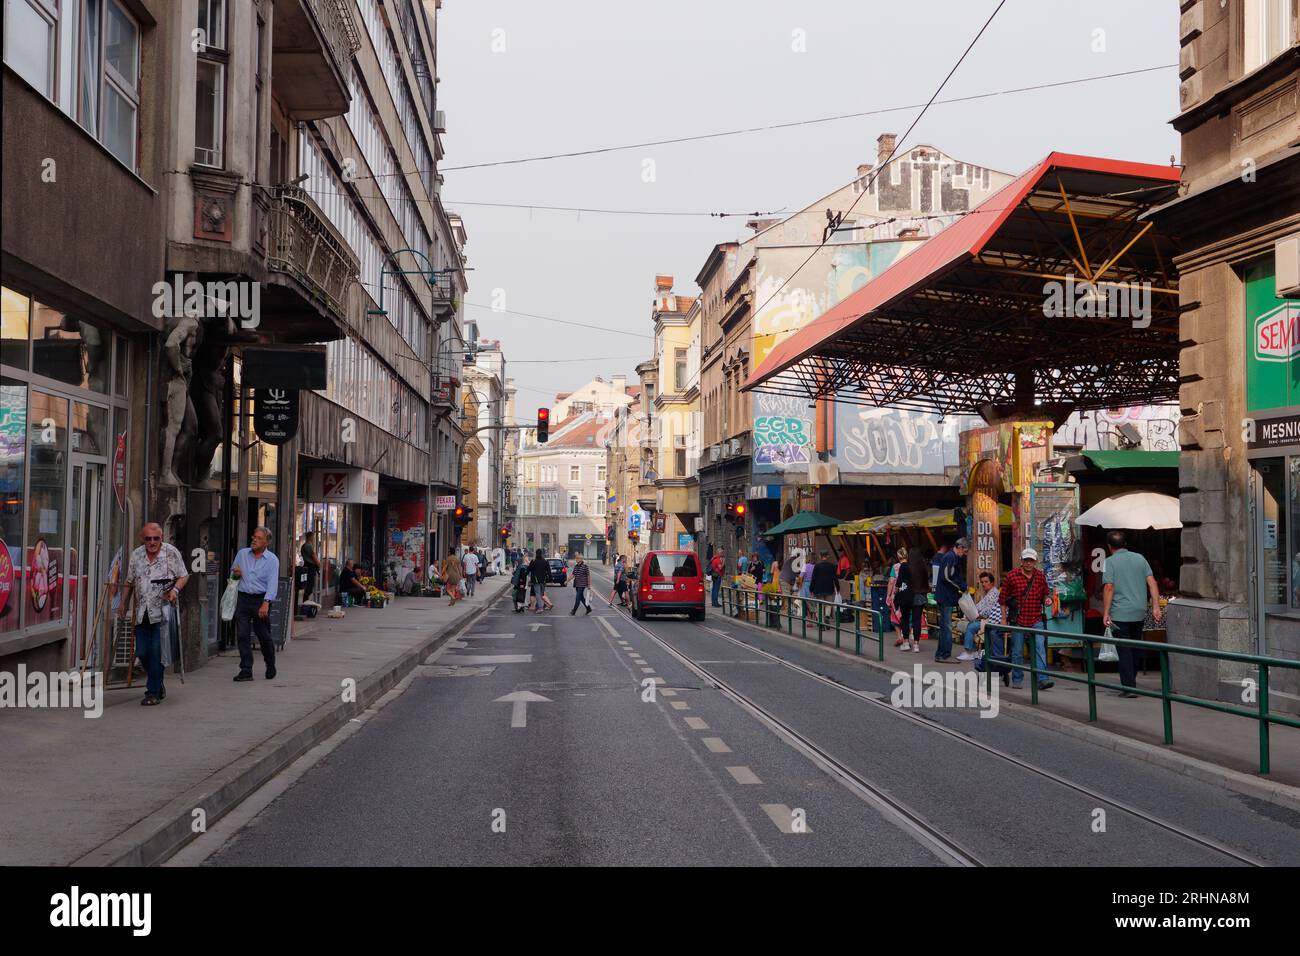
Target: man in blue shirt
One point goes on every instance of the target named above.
(951, 585)
(258, 571)
(1126, 583)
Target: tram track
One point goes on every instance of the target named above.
(902, 813)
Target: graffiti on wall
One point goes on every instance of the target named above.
(895, 440)
(783, 432)
(1099, 430)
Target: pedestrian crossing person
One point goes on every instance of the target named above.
(581, 582)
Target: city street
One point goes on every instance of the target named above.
(530, 741)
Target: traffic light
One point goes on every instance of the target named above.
(505, 533)
(740, 513)
(461, 515)
(736, 512)
(543, 425)
(634, 536)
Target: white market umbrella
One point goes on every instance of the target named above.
(1135, 511)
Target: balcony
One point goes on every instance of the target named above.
(300, 243)
(313, 42)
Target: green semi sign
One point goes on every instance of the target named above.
(1272, 343)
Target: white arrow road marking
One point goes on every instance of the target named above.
(464, 659)
(521, 699)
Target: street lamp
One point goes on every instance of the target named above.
(429, 272)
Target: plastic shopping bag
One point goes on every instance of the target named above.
(1108, 651)
(229, 600)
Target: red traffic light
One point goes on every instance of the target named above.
(543, 414)
(740, 511)
(543, 424)
(459, 512)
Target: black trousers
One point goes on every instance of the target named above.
(247, 623)
(1132, 630)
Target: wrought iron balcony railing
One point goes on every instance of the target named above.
(301, 243)
(334, 17)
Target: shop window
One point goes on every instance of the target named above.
(90, 430)
(1294, 550)
(14, 328)
(46, 521)
(68, 350)
(1273, 574)
(13, 459)
(121, 365)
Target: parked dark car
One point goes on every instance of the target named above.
(559, 572)
(669, 582)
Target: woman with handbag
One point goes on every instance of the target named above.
(910, 598)
(452, 572)
(894, 615)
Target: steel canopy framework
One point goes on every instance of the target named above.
(959, 325)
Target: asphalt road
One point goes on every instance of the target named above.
(602, 772)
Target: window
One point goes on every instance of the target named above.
(600, 473)
(45, 511)
(14, 329)
(679, 370)
(681, 462)
(575, 473)
(121, 80)
(1269, 31)
(13, 455)
(573, 504)
(210, 82)
(29, 42)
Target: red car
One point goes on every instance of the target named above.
(669, 582)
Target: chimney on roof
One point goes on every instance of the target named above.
(663, 284)
(884, 146)
(864, 170)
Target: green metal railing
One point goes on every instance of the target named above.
(1166, 695)
(769, 610)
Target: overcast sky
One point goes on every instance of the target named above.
(582, 74)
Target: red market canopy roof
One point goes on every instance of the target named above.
(960, 324)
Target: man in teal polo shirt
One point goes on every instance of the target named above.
(1127, 580)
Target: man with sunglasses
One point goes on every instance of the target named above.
(155, 575)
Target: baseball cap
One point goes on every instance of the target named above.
(1029, 553)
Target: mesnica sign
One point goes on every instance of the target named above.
(1273, 352)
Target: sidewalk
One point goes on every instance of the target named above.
(123, 788)
(1134, 727)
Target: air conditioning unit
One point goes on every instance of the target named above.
(823, 473)
(440, 121)
(734, 446)
(714, 452)
(1286, 254)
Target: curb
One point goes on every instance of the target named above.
(1278, 794)
(164, 831)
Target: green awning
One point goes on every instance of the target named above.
(803, 521)
(1109, 460)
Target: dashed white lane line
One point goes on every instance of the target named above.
(743, 775)
(647, 670)
(680, 705)
(667, 692)
(696, 723)
(715, 745)
(657, 680)
(783, 817)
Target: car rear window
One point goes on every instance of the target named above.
(673, 566)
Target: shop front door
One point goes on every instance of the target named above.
(1270, 577)
(85, 564)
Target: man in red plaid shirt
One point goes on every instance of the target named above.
(1026, 587)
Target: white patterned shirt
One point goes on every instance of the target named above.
(988, 607)
(147, 578)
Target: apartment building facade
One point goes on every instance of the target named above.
(1239, 284)
(281, 156)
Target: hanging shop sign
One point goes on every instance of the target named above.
(661, 522)
(119, 472)
(353, 486)
(275, 414)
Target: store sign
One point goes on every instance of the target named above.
(354, 486)
(1277, 334)
(444, 502)
(119, 472)
(275, 414)
(1280, 432)
(1273, 357)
